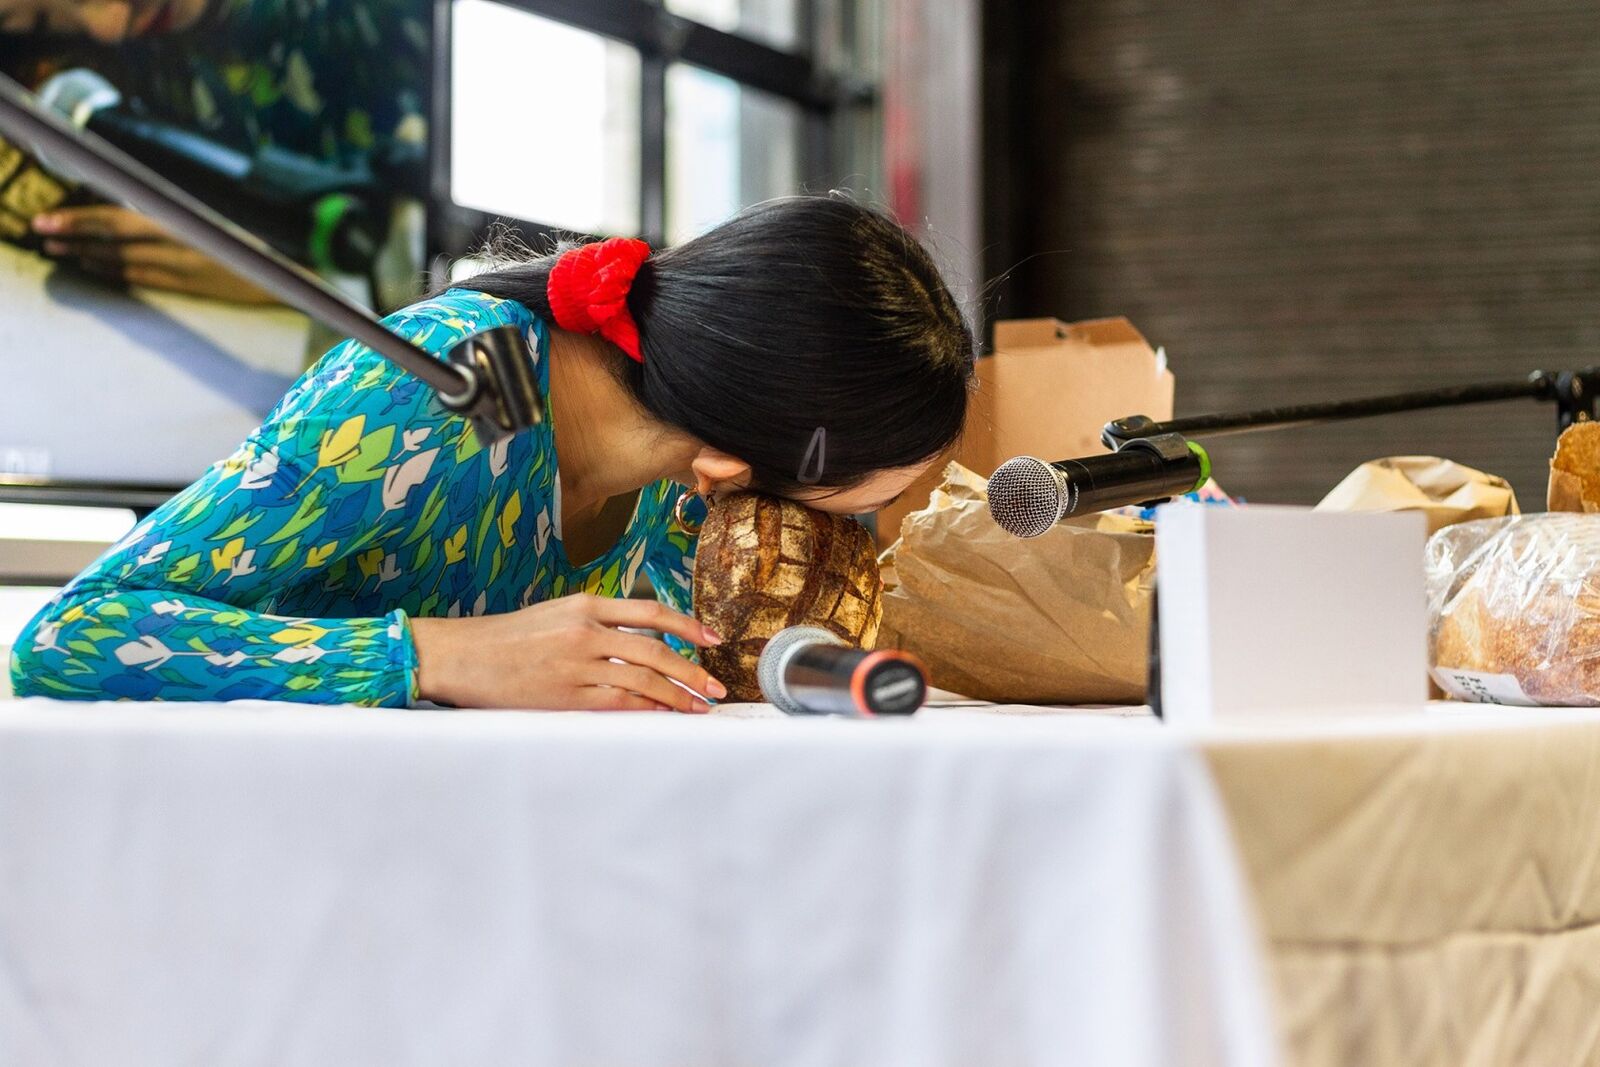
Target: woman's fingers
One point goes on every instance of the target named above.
(163, 255)
(611, 698)
(650, 684)
(651, 615)
(158, 264)
(134, 274)
(123, 274)
(648, 652)
(104, 222)
(152, 278)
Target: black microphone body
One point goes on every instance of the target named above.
(1132, 476)
(805, 670)
(1027, 496)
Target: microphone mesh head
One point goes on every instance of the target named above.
(769, 668)
(1026, 496)
(77, 94)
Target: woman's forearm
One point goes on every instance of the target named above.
(166, 644)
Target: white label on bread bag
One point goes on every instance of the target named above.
(1481, 687)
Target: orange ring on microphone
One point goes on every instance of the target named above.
(858, 678)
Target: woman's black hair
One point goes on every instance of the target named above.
(811, 337)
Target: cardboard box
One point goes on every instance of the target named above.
(1047, 391)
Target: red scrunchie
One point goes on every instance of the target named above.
(588, 291)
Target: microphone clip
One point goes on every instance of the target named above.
(500, 396)
(1128, 430)
(1172, 447)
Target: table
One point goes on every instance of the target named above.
(254, 884)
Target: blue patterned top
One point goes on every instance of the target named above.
(288, 571)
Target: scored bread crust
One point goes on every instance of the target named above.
(764, 564)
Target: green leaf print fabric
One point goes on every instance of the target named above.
(288, 570)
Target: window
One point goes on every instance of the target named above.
(776, 22)
(652, 117)
(544, 120)
(727, 147)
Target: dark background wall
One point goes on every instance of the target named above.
(1306, 201)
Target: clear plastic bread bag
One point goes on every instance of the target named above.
(1514, 609)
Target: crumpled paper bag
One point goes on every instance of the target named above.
(1575, 469)
(1058, 619)
(1446, 492)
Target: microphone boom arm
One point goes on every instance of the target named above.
(487, 378)
(1573, 393)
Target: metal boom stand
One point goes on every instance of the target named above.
(488, 377)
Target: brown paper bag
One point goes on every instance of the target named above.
(1047, 391)
(1446, 492)
(1058, 619)
(1575, 470)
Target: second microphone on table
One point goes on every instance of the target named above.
(806, 670)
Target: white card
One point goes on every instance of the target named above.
(1276, 609)
(1482, 687)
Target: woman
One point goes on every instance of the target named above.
(362, 548)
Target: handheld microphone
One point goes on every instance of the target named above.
(805, 670)
(1027, 496)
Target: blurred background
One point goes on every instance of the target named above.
(1298, 202)
(1305, 202)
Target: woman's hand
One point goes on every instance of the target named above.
(124, 246)
(561, 655)
(105, 21)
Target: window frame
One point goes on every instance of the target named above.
(661, 38)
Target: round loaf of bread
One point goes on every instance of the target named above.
(764, 564)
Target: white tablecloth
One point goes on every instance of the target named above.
(253, 885)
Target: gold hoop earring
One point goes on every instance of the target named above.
(692, 529)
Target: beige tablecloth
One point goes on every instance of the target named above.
(1429, 884)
